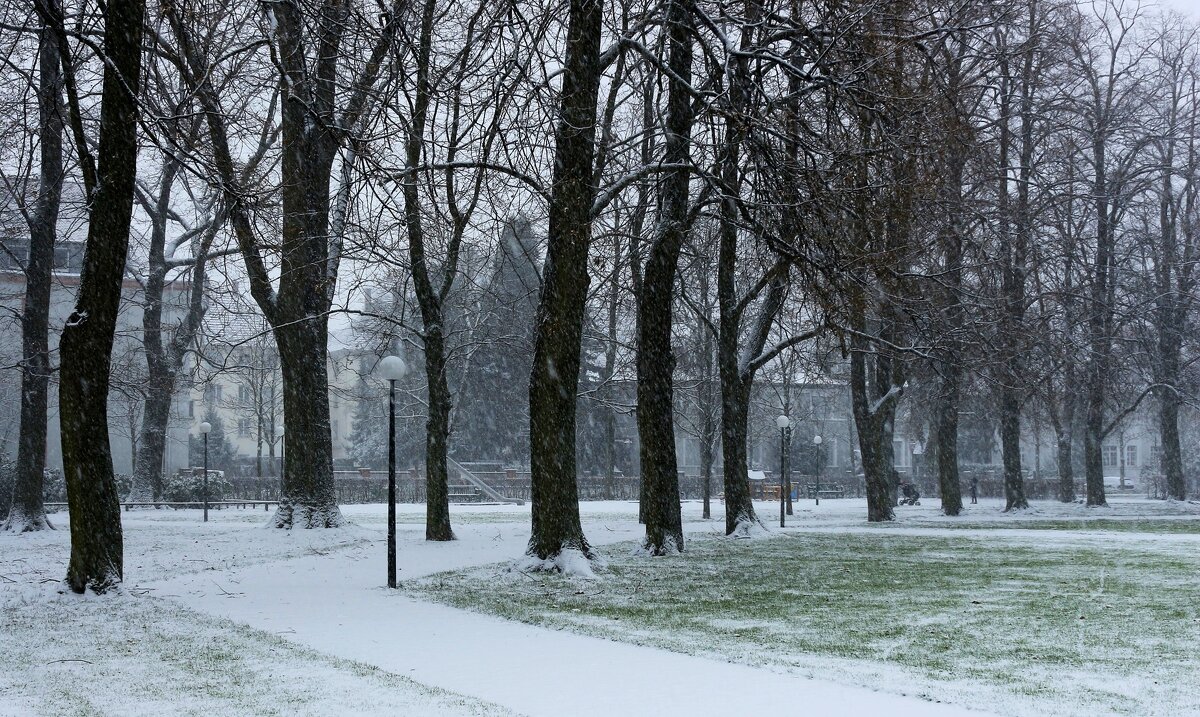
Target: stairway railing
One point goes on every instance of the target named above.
(479, 483)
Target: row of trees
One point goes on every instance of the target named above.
(940, 197)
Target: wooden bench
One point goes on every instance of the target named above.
(831, 491)
(215, 504)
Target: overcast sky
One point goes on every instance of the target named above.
(1192, 7)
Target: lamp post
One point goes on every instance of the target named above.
(392, 369)
(279, 437)
(784, 424)
(817, 456)
(205, 427)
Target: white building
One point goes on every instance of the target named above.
(128, 369)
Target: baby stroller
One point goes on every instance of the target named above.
(912, 496)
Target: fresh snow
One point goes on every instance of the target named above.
(234, 617)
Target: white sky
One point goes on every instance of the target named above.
(1191, 7)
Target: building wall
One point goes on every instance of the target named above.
(249, 385)
(128, 371)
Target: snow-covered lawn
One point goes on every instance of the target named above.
(229, 617)
(1100, 616)
(141, 654)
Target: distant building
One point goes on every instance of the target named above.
(125, 397)
(240, 380)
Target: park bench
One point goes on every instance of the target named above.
(215, 504)
(826, 491)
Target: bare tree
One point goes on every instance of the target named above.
(27, 512)
(87, 339)
(555, 495)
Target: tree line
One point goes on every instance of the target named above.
(948, 199)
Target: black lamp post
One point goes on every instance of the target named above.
(784, 424)
(205, 427)
(817, 458)
(279, 437)
(392, 369)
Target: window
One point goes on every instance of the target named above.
(1110, 456)
(243, 427)
(335, 429)
(1131, 455)
(213, 393)
(832, 444)
(191, 409)
(68, 257)
(245, 394)
(900, 454)
(15, 252)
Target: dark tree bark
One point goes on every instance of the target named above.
(1174, 272)
(1013, 247)
(1099, 328)
(87, 339)
(609, 416)
(875, 392)
(951, 354)
(708, 428)
(959, 142)
(655, 357)
(868, 420)
(735, 375)
(557, 343)
(430, 300)
(27, 512)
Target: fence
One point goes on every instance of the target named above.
(354, 487)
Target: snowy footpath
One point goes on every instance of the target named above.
(332, 601)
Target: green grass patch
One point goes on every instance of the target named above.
(1008, 625)
(1182, 526)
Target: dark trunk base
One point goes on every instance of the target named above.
(294, 514)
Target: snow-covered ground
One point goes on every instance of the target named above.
(235, 618)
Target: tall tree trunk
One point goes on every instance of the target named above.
(557, 343)
(430, 300)
(735, 383)
(946, 428)
(1172, 460)
(947, 443)
(609, 416)
(1064, 442)
(437, 433)
(87, 339)
(1173, 278)
(27, 512)
(735, 406)
(1099, 338)
(707, 402)
(309, 496)
(655, 357)
(152, 444)
(873, 403)
(1012, 302)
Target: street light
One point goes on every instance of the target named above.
(279, 437)
(784, 424)
(392, 369)
(205, 427)
(817, 457)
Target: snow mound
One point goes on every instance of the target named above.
(571, 562)
(643, 550)
(750, 529)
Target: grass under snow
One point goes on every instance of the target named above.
(1075, 623)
